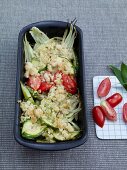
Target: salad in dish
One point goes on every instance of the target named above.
(51, 101)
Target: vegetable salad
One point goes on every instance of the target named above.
(51, 99)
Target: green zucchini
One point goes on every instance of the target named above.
(31, 130)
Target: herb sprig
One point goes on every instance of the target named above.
(120, 73)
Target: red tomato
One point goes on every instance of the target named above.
(104, 87)
(109, 112)
(114, 100)
(34, 82)
(98, 116)
(125, 112)
(69, 83)
(45, 87)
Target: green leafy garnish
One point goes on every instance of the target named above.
(124, 72)
(121, 74)
(117, 73)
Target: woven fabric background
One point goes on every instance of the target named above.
(104, 24)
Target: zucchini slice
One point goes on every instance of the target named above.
(31, 130)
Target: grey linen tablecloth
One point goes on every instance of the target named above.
(104, 24)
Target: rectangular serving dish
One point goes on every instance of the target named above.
(52, 29)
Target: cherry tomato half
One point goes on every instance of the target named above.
(34, 82)
(125, 112)
(98, 116)
(69, 83)
(104, 87)
(114, 100)
(45, 87)
(109, 112)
